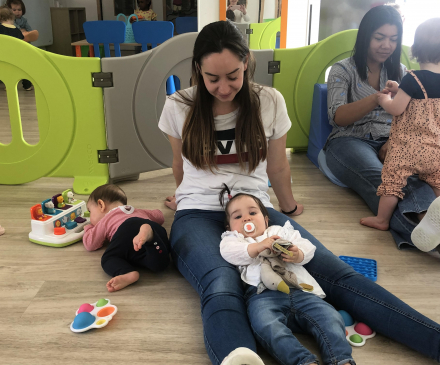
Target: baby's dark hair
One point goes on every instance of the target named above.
(17, 2)
(230, 15)
(6, 14)
(221, 198)
(426, 47)
(109, 193)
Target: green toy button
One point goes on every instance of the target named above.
(87, 214)
(102, 302)
(356, 338)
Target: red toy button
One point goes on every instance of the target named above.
(59, 231)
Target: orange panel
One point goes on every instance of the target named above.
(222, 9)
(283, 34)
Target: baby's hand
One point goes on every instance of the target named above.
(392, 87)
(145, 234)
(298, 255)
(267, 243)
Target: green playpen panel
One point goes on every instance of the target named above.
(300, 69)
(70, 117)
(406, 59)
(264, 34)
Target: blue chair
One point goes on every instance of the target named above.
(320, 129)
(106, 32)
(186, 24)
(154, 33)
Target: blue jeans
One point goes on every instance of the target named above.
(276, 316)
(195, 242)
(355, 163)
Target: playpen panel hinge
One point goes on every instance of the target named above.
(102, 79)
(274, 67)
(108, 156)
(249, 31)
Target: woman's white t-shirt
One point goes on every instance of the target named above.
(200, 189)
(240, 17)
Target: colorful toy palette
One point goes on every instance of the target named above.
(356, 333)
(95, 315)
(366, 267)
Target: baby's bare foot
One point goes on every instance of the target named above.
(374, 222)
(121, 281)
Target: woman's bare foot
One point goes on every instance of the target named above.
(375, 222)
(121, 281)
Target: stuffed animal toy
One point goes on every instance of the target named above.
(274, 274)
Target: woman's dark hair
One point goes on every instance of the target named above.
(373, 20)
(17, 2)
(109, 193)
(221, 197)
(199, 142)
(426, 47)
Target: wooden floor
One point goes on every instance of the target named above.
(158, 319)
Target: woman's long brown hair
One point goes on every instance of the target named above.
(199, 141)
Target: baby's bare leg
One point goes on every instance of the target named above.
(387, 204)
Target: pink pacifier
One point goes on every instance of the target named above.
(249, 227)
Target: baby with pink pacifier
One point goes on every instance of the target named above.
(249, 234)
(276, 315)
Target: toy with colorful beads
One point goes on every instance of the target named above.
(96, 315)
(356, 333)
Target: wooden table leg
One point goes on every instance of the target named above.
(78, 51)
(91, 51)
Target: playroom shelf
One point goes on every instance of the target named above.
(67, 27)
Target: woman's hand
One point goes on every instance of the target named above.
(243, 9)
(383, 98)
(383, 151)
(298, 255)
(170, 202)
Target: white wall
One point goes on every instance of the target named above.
(253, 10)
(158, 8)
(90, 5)
(207, 12)
(108, 10)
(298, 23)
(269, 9)
(416, 12)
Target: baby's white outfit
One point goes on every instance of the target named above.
(233, 249)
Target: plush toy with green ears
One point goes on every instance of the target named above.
(274, 274)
